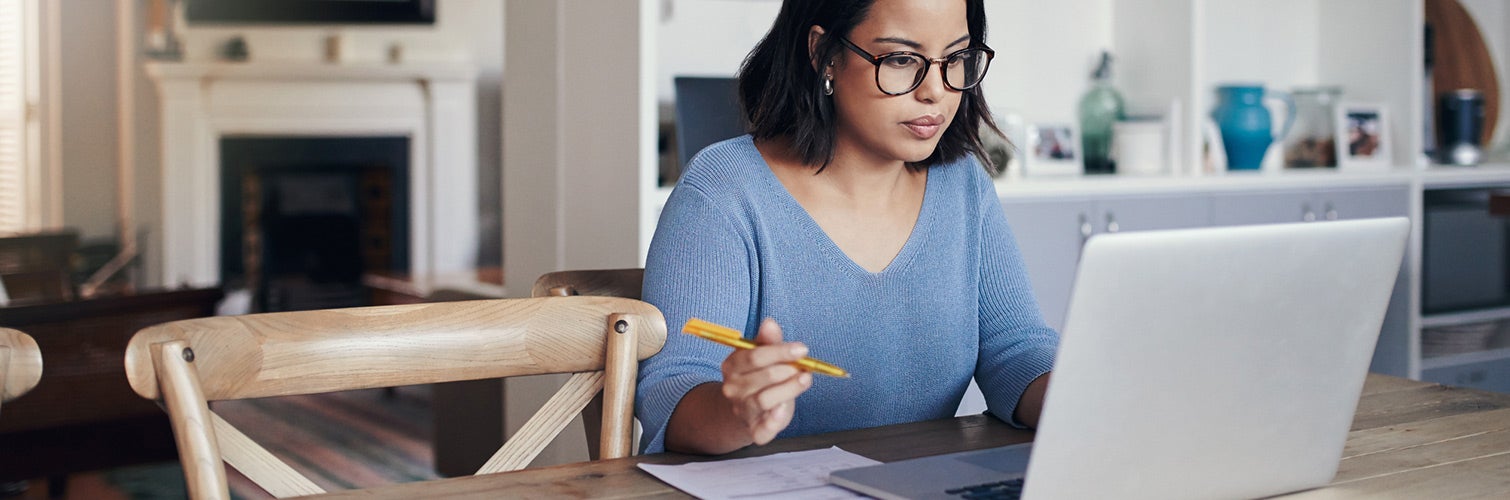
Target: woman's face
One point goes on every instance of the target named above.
(906, 127)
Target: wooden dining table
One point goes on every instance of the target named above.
(1409, 440)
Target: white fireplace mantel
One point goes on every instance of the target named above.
(431, 104)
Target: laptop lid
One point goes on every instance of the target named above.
(1214, 363)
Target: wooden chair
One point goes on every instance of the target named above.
(20, 364)
(624, 283)
(600, 282)
(186, 364)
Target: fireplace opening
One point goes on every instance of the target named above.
(302, 219)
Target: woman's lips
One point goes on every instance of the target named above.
(924, 127)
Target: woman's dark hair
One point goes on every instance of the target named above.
(782, 95)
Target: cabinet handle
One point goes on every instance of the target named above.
(1331, 211)
(1085, 229)
(1111, 223)
(1306, 213)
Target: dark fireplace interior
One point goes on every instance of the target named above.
(303, 218)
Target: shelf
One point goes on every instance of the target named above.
(1466, 358)
(1464, 317)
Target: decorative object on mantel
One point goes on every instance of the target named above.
(162, 41)
(395, 53)
(1461, 128)
(1139, 145)
(1246, 124)
(335, 48)
(1312, 141)
(1052, 150)
(1461, 60)
(1363, 137)
(235, 50)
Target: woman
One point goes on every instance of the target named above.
(855, 222)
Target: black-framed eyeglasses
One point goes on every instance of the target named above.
(898, 73)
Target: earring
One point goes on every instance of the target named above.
(828, 84)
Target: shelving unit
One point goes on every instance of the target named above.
(1464, 318)
(1467, 358)
(1172, 54)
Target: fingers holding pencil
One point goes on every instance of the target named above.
(761, 383)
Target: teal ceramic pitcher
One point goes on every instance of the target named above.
(1246, 126)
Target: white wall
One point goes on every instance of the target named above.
(1042, 81)
(1045, 53)
(707, 37)
(88, 142)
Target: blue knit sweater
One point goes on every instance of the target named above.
(733, 247)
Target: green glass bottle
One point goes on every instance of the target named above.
(1100, 108)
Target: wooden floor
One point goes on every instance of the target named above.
(345, 440)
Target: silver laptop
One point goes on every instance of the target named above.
(1203, 363)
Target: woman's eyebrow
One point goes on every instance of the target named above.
(915, 45)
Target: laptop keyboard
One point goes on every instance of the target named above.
(1007, 490)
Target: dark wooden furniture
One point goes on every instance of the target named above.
(1409, 440)
(83, 415)
(465, 414)
(38, 267)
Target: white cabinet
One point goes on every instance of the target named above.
(1050, 233)
(1309, 205)
(1051, 230)
(1276, 206)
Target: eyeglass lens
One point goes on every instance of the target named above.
(900, 73)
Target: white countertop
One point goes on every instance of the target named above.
(1125, 185)
(1084, 186)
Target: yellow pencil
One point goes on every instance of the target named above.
(729, 337)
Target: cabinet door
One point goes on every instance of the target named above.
(1153, 213)
(1392, 356)
(1366, 203)
(1049, 233)
(1267, 207)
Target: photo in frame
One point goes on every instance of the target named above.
(1004, 151)
(1053, 149)
(1363, 132)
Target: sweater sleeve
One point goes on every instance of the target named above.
(699, 265)
(1016, 346)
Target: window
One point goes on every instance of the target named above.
(19, 169)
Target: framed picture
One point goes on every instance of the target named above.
(1052, 149)
(1363, 137)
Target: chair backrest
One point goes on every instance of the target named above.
(594, 282)
(20, 364)
(186, 364)
(598, 282)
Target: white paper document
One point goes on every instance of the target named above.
(796, 475)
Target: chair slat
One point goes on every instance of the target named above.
(618, 389)
(279, 354)
(543, 427)
(258, 464)
(189, 414)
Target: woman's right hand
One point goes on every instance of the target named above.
(761, 384)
